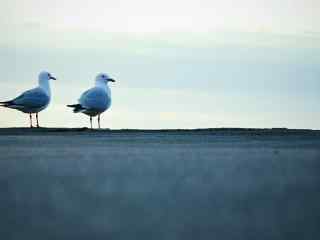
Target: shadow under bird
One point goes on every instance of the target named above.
(35, 100)
(96, 100)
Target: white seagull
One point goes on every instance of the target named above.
(34, 100)
(96, 100)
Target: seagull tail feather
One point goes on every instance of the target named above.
(76, 107)
(5, 104)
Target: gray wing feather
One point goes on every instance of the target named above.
(95, 98)
(33, 98)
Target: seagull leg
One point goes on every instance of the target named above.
(99, 121)
(30, 116)
(37, 120)
(91, 122)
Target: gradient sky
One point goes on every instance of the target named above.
(179, 64)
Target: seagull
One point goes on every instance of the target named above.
(34, 100)
(96, 100)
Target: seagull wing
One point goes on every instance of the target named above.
(94, 98)
(34, 98)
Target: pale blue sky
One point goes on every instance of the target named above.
(179, 64)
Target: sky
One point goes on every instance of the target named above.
(178, 64)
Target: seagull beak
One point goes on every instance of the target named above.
(53, 78)
(111, 80)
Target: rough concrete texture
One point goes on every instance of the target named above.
(205, 184)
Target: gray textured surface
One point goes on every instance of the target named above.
(80, 184)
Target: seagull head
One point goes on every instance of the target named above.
(103, 78)
(45, 76)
